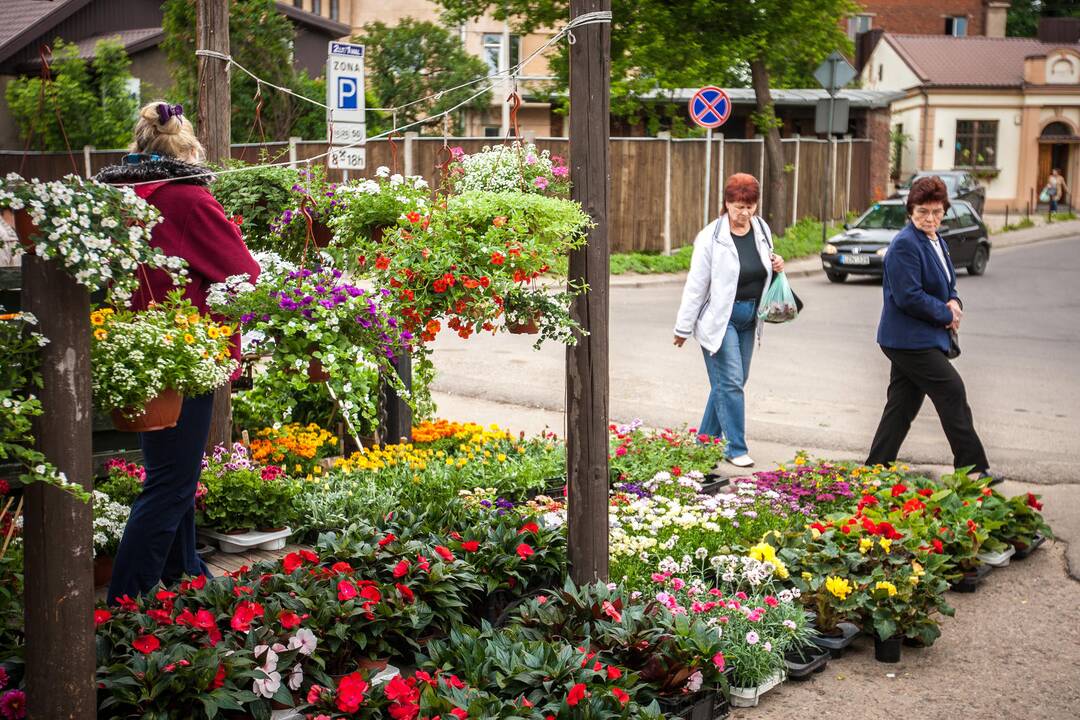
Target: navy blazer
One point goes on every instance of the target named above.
(916, 289)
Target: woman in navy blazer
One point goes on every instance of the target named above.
(920, 309)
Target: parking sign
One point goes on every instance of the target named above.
(345, 122)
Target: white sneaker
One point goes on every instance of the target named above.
(742, 461)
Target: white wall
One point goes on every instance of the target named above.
(893, 71)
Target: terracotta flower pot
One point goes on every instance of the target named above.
(159, 413)
(103, 565)
(375, 665)
(24, 228)
(377, 233)
(315, 371)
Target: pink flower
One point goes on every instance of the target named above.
(752, 638)
(718, 661)
(541, 182)
(457, 153)
(13, 705)
(678, 583)
(560, 171)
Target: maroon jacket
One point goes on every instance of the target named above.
(193, 227)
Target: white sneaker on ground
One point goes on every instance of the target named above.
(742, 461)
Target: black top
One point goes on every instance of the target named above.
(752, 272)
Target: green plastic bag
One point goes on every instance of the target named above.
(778, 305)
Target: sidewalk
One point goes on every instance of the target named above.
(812, 265)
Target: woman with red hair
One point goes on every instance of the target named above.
(732, 266)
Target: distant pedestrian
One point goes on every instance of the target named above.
(732, 266)
(1056, 189)
(164, 168)
(920, 309)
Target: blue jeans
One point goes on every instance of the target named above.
(729, 369)
(159, 539)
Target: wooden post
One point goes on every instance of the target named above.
(795, 183)
(215, 129)
(587, 362)
(59, 534)
(666, 137)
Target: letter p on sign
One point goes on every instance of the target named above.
(348, 97)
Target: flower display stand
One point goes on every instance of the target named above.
(749, 697)
(244, 542)
(997, 559)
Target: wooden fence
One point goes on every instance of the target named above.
(657, 184)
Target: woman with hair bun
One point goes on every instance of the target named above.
(921, 308)
(164, 168)
(731, 268)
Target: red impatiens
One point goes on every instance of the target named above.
(470, 546)
(620, 695)
(346, 591)
(146, 644)
(246, 612)
(524, 551)
(576, 694)
(401, 569)
(350, 692)
(101, 616)
(444, 553)
(529, 527)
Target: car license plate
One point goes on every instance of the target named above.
(854, 259)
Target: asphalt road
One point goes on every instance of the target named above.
(820, 381)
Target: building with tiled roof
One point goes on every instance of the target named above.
(1006, 108)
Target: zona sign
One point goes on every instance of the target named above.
(710, 107)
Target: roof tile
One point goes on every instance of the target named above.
(969, 61)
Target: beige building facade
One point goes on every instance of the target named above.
(1006, 108)
(487, 38)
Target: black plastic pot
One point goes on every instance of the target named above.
(887, 651)
(713, 484)
(804, 662)
(702, 705)
(1022, 553)
(971, 580)
(836, 644)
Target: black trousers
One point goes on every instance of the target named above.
(915, 375)
(159, 539)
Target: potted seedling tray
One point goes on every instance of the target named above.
(997, 559)
(836, 644)
(703, 705)
(1023, 552)
(253, 540)
(750, 696)
(971, 580)
(803, 663)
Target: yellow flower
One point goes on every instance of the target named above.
(764, 552)
(189, 338)
(100, 334)
(887, 586)
(501, 457)
(886, 544)
(865, 544)
(97, 318)
(212, 332)
(807, 576)
(193, 318)
(839, 587)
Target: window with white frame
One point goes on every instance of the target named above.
(493, 51)
(956, 25)
(859, 24)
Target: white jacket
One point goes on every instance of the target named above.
(709, 293)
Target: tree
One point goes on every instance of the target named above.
(1023, 18)
(416, 59)
(94, 102)
(261, 40)
(665, 44)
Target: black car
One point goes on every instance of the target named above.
(860, 249)
(961, 185)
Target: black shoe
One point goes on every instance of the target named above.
(985, 475)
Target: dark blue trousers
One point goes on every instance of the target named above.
(159, 540)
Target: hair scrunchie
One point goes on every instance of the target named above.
(166, 111)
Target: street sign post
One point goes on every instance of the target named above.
(833, 73)
(346, 127)
(710, 107)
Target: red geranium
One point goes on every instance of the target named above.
(1033, 502)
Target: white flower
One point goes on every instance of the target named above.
(305, 640)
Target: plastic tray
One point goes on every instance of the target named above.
(254, 540)
(997, 559)
(749, 697)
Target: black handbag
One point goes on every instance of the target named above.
(954, 345)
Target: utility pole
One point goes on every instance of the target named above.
(215, 133)
(58, 531)
(587, 361)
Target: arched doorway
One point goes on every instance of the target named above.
(1055, 148)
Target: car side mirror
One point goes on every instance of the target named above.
(847, 226)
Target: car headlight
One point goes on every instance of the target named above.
(829, 249)
(881, 252)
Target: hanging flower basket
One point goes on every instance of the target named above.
(530, 326)
(321, 235)
(25, 228)
(315, 371)
(160, 412)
